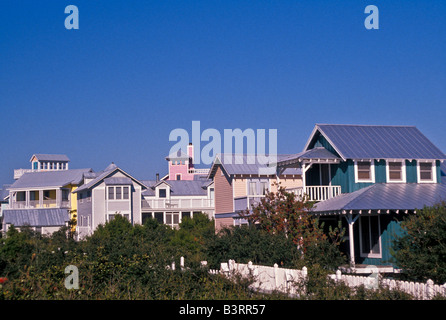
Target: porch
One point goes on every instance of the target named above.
(34, 199)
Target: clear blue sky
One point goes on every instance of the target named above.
(135, 70)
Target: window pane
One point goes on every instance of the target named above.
(162, 193)
(111, 193)
(252, 188)
(185, 214)
(176, 218)
(425, 175)
(425, 171)
(125, 192)
(159, 217)
(395, 175)
(363, 175)
(118, 193)
(365, 236)
(364, 170)
(168, 218)
(364, 165)
(374, 236)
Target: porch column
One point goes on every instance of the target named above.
(40, 198)
(351, 220)
(27, 196)
(58, 198)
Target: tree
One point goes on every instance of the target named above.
(286, 213)
(421, 250)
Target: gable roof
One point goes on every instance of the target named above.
(385, 196)
(179, 155)
(50, 157)
(107, 172)
(317, 153)
(59, 178)
(248, 164)
(377, 142)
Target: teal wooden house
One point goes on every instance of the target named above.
(383, 173)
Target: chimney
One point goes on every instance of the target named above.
(157, 177)
(190, 153)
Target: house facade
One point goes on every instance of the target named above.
(383, 173)
(241, 181)
(43, 199)
(105, 194)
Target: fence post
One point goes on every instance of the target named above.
(338, 275)
(430, 289)
(182, 263)
(276, 275)
(173, 266)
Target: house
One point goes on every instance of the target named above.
(105, 194)
(43, 199)
(383, 173)
(241, 180)
(181, 165)
(169, 201)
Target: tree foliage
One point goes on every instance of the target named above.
(421, 250)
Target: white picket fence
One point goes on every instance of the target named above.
(269, 279)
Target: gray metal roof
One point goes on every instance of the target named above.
(379, 142)
(49, 178)
(179, 187)
(118, 181)
(249, 164)
(36, 217)
(386, 196)
(318, 153)
(51, 157)
(179, 155)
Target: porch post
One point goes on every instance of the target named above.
(351, 220)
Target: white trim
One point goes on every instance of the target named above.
(434, 171)
(370, 255)
(403, 171)
(372, 171)
(317, 128)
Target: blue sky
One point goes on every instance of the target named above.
(114, 89)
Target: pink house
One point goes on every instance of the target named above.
(181, 165)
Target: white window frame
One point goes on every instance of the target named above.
(434, 171)
(361, 252)
(372, 171)
(403, 171)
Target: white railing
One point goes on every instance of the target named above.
(32, 204)
(316, 193)
(177, 203)
(199, 171)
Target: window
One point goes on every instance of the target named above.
(252, 188)
(185, 214)
(396, 171)
(370, 237)
(118, 193)
(125, 193)
(111, 193)
(364, 171)
(159, 216)
(35, 165)
(426, 172)
(172, 218)
(178, 176)
(162, 193)
(263, 188)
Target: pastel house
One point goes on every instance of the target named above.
(378, 175)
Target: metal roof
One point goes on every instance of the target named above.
(378, 142)
(386, 196)
(118, 181)
(42, 179)
(318, 153)
(179, 187)
(36, 217)
(249, 164)
(51, 157)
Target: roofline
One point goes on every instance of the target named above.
(317, 128)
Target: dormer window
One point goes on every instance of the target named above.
(364, 171)
(396, 171)
(162, 193)
(426, 172)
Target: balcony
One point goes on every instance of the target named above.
(199, 171)
(247, 202)
(316, 193)
(36, 204)
(177, 204)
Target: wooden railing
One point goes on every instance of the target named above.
(316, 193)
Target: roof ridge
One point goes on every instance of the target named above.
(365, 125)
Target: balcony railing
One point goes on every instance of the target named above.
(34, 204)
(316, 193)
(199, 171)
(177, 203)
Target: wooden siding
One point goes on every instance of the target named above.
(286, 182)
(220, 223)
(224, 202)
(240, 188)
(411, 171)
